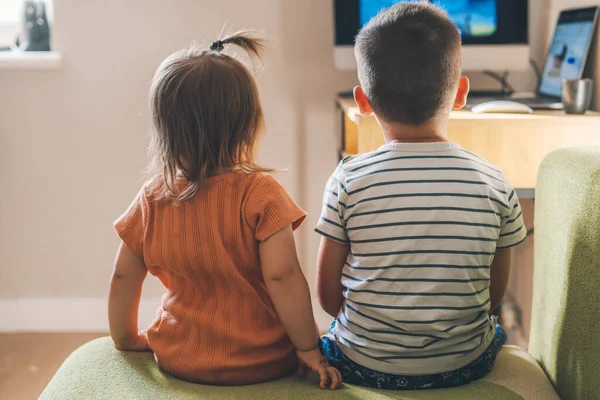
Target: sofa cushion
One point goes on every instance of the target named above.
(98, 371)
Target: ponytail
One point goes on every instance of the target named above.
(252, 45)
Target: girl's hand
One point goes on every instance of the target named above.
(315, 361)
(139, 344)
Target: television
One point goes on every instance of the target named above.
(494, 32)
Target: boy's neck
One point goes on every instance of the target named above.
(431, 132)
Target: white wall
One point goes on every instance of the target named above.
(72, 140)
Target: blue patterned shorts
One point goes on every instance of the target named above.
(356, 374)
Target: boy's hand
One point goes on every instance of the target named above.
(315, 361)
(139, 344)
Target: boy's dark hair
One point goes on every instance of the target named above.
(409, 62)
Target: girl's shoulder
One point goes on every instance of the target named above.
(243, 181)
(268, 207)
(262, 183)
(248, 184)
(153, 189)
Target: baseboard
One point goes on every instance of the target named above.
(79, 314)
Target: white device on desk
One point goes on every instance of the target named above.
(494, 32)
(501, 106)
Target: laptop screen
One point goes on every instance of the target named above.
(569, 49)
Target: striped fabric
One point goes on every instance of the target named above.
(423, 222)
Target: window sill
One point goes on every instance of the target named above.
(30, 60)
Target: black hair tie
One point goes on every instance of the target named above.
(217, 46)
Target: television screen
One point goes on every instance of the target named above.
(474, 18)
(481, 22)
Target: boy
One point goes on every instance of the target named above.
(416, 236)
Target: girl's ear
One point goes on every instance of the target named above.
(361, 100)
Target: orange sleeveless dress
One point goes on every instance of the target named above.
(217, 323)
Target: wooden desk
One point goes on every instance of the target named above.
(516, 143)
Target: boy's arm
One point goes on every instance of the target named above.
(124, 300)
(499, 276)
(335, 243)
(331, 259)
(290, 294)
(512, 233)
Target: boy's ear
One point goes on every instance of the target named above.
(461, 94)
(363, 103)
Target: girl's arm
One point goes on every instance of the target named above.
(124, 300)
(289, 292)
(330, 262)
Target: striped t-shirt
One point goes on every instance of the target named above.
(423, 222)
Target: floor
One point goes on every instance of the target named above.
(29, 360)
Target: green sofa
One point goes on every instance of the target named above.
(565, 330)
(564, 336)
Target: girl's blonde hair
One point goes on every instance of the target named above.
(207, 116)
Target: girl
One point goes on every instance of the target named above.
(217, 232)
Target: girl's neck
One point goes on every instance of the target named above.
(219, 171)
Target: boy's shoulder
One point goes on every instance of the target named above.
(458, 159)
(475, 157)
(357, 162)
(385, 154)
(479, 160)
(485, 167)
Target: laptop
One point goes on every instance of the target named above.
(566, 59)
